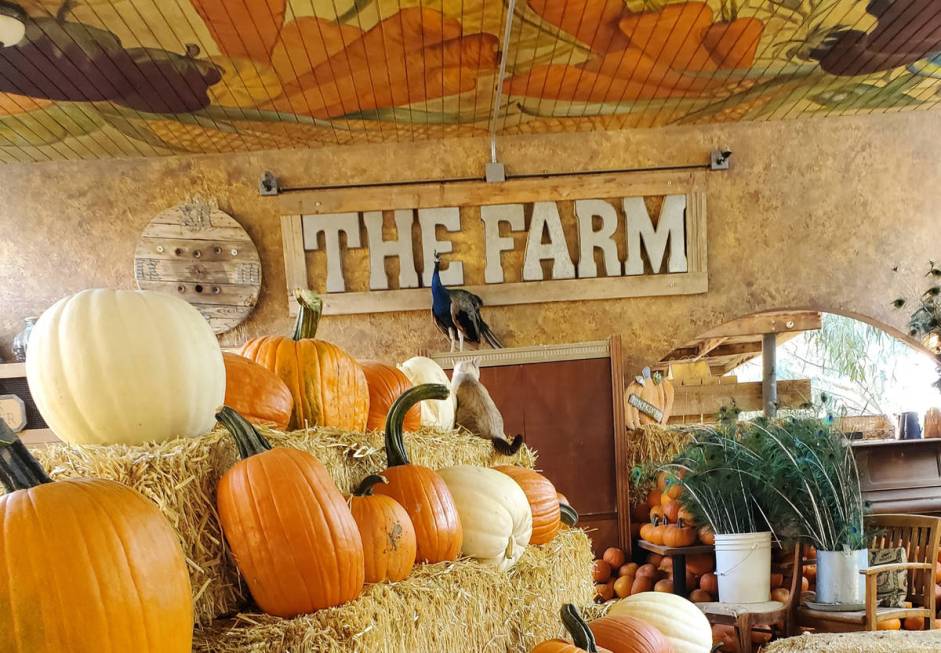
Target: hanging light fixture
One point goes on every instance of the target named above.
(12, 24)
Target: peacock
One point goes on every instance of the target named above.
(457, 313)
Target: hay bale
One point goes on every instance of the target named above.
(440, 608)
(882, 641)
(180, 476)
(655, 443)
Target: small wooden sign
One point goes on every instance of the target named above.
(13, 412)
(646, 408)
(201, 254)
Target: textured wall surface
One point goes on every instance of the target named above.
(814, 214)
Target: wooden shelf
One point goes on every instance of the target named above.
(12, 370)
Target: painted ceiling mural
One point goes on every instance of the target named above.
(99, 78)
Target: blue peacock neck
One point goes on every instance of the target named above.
(441, 302)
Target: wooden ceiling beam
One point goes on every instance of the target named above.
(717, 353)
(778, 322)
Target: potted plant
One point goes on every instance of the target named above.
(722, 488)
(813, 466)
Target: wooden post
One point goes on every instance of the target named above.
(769, 378)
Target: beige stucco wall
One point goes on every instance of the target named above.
(814, 214)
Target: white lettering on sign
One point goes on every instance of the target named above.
(618, 239)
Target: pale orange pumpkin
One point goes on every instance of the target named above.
(256, 393)
(543, 502)
(386, 383)
(583, 638)
(327, 384)
(709, 583)
(389, 544)
(623, 634)
(679, 535)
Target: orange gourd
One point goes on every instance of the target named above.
(709, 583)
(658, 531)
(686, 516)
(890, 624)
(628, 569)
(543, 502)
(386, 530)
(653, 499)
(256, 393)
(89, 565)
(648, 570)
(679, 534)
(671, 511)
(658, 514)
(600, 571)
(646, 531)
(604, 591)
(327, 384)
(664, 585)
(700, 596)
(623, 634)
(582, 636)
(622, 586)
(420, 490)
(781, 594)
(642, 584)
(290, 530)
(614, 557)
(914, 623)
(386, 383)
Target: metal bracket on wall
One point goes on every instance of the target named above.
(268, 184)
(495, 172)
(719, 159)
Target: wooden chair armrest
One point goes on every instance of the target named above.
(897, 566)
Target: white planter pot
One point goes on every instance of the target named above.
(838, 577)
(743, 567)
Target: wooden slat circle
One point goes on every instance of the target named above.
(199, 253)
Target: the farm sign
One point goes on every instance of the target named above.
(521, 252)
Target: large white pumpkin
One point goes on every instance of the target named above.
(435, 413)
(679, 620)
(123, 366)
(494, 511)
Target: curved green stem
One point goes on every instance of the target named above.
(364, 489)
(395, 447)
(308, 316)
(247, 438)
(569, 515)
(18, 469)
(578, 629)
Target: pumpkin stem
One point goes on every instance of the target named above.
(395, 447)
(569, 515)
(578, 629)
(247, 438)
(18, 469)
(308, 317)
(364, 489)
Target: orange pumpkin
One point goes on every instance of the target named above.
(648, 570)
(679, 534)
(600, 571)
(256, 393)
(614, 557)
(291, 533)
(628, 569)
(646, 530)
(604, 591)
(890, 624)
(658, 514)
(623, 634)
(781, 594)
(420, 490)
(709, 583)
(671, 511)
(914, 623)
(700, 596)
(388, 535)
(584, 640)
(543, 502)
(642, 584)
(88, 565)
(664, 585)
(328, 385)
(386, 383)
(622, 586)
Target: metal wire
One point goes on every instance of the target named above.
(498, 87)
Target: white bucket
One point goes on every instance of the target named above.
(743, 565)
(838, 577)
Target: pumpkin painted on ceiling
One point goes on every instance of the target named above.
(151, 78)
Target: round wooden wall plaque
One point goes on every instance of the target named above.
(199, 253)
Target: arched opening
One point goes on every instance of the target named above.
(849, 365)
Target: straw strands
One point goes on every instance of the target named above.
(180, 477)
(440, 608)
(920, 641)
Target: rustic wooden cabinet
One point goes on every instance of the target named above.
(566, 401)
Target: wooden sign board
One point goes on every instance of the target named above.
(665, 253)
(201, 254)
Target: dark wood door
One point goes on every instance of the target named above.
(563, 410)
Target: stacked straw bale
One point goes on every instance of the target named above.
(883, 641)
(441, 608)
(180, 476)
